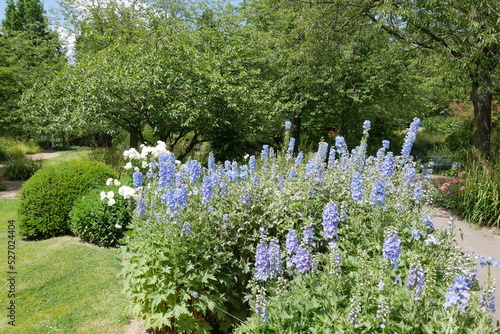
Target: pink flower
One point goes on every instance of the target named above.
(462, 188)
(444, 186)
(456, 181)
(460, 174)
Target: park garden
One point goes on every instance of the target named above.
(252, 167)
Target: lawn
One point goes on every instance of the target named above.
(68, 155)
(62, 285)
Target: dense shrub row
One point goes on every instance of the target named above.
(334, 242)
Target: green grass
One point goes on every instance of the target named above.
(68, 155)
(62, 285)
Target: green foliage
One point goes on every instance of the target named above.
(93, 220)
(48, 196)
(2, 186)
(21, 169)
(190, 256)
(459, 141)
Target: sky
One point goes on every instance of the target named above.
(47, 5)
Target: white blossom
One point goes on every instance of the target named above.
(127, 191)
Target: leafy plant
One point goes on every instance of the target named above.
(95, 221)
(21, 169)
(205, 250)
(48, 196)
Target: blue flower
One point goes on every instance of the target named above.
(331, 158)
(410, 138)
(245, 199)
(264, 155)
(261, 305)
(186, 228)
(291, 146)
(206, 189)
(211, 162)
(137, 179)
(388, 166)
(299, 158)
(488, 299)
(140, 207)
(252, 162)
(193, 170)
(392, 248)
(427, 221)
(416, 279)
(167, 170)
(292, 242)
(416, 234)
(274, 251)
(322, 151)
(262, 263)
(244, 172)
(386, 144)
(303, 259)
(288, 125)
(458, 292)
(330, 221)
(308, 237)
(340, 145)
(378, 193)
(356, 187)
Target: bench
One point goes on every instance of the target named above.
(441, 162)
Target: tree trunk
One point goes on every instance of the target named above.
(482, 118)
(134, 138)
(297, 122)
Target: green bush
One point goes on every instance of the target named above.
(2, 186)
(93, 220)
(46, 199)
(459, 141)
(21, 169)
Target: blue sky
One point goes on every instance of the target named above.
(47, 5)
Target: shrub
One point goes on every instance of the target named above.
(458, 141)
(21, 169)
(304, 246)
(93, 220)
(46, 199)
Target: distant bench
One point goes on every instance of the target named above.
(441, 162)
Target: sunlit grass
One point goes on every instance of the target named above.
(62, 285)
(68, 155)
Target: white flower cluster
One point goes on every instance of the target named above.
(133, 154)
(127, 192)
(109, 196)
(111, 181)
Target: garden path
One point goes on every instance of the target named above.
(480, 240)
(14, 186)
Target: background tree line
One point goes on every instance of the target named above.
(229, 75)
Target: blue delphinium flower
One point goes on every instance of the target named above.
(153, 165)
(366, 128)
(206, 189)
(244, 172)
(252, 163)
(299, 158)
(262, 263)
(167, 170)
(386, 144)
(415, 234)
(356, 187)
(211, 162)
(303, 259)
(140, 207)
(416, 279)
(355, 310)
(410, 139)
(265, 153)
(292, 175)
(245, 199)
(488, 299)
(388, 166)
(225, 218)
(186, 228)
(330, 221)
(137, 179)
(378, 193)
(458, 292)
(281, 182)
(340, 145)
(193, 170)
(322, 150)
(410, 174)
(331, 158)
(392, 248)
(227, 166)
(308, 237)
(233, 172)
(291, 146)
(291, 247)
(427, 221)
(274, 251)
(418, 192)
(288, 125)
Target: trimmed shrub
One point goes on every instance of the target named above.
(46, 199)
(21, 169)
(93, 220)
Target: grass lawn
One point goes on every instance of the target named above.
(68, 155)
(62, 285)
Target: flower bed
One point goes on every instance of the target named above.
(335, 242)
